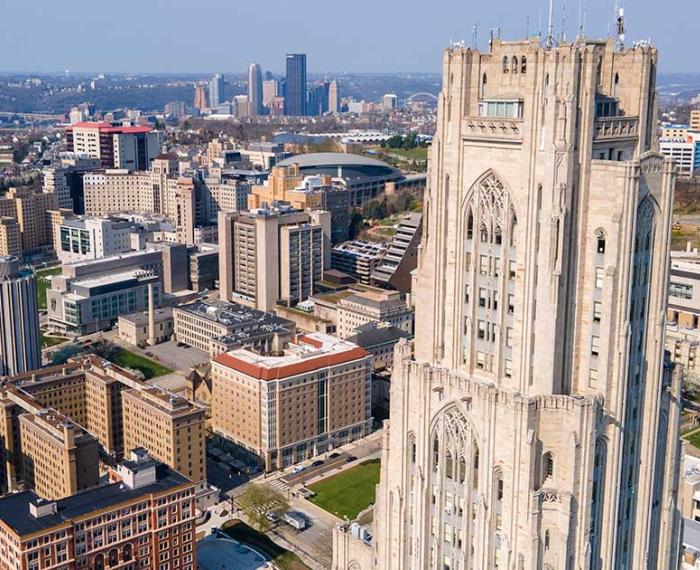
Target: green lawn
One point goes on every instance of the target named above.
(693, 437)
(349, 492)
(417, 153)
(42, 284)
(150, 368)
(282, 558)
(47, 341)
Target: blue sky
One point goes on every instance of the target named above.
(350, 35)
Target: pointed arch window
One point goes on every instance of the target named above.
(505, 64)
(523, 64)
(600, 241)
(484, 86)
(470, 224)
(514, 65)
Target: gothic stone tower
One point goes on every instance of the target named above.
(534, 420)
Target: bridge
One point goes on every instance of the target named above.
(421, 96)
(33, 116)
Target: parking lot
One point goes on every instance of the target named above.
(173, 356)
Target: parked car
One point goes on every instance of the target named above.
(298, 468)
(272, 516)
(334, 455)
(317, 463)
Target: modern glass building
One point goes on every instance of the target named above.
(295, 98)
(216, 90)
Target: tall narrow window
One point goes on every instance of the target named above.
(514, 65)
(547, 466)
(523, 64)
(505, 64)
(449, 465)
(484, 91)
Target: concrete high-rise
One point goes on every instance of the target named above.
(200, 98)
(534, 421)
(255, 89)
(270, 90)
(216, 90)
(131, 148)
(295, 97)
(271, 256)
(19, 319)
(333, 97)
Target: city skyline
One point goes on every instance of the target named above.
(328, 50)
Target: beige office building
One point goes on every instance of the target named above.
(31, 211)
(534, 420)
(59, 458)
(216, 326)
(158, 191)
(272, 256)
(286, 408)
(10, 237)
(695, 120)
(168, 426)
(114, 408)
(373, 306)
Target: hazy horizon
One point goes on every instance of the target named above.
(174, 36)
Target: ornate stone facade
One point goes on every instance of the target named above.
(534, 420)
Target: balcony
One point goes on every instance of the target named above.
(615, 129)
(493, 129)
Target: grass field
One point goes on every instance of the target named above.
(149, 367)
(42, 284)
(417, 153)
(47, 341)
(693, 437)
(349, 492)
(283, 559)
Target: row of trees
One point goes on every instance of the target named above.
(403, 141)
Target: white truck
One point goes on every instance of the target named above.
(295, 520)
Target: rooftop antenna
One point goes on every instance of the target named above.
(475, 34)
(495, 34)
(582, 9)
(620, 27)
(562, 36)
(549, 41)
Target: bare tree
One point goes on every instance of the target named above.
(259, 500)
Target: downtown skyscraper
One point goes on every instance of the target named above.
(216, 90)
(534, 419)
(295, 97)
(255, 89)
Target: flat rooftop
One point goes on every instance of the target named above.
(164, 400)
(141, 318)
(14, 508)
(310, 352)
(232, 315)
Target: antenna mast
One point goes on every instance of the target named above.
(563, 23)
(475, 34)
(549, 42)
(619, 27)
